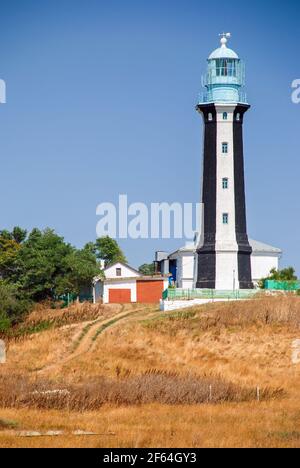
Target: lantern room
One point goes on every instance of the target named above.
(225, 76)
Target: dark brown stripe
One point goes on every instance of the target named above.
(207, 253)
(244, 248)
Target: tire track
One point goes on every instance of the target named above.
(89, 335)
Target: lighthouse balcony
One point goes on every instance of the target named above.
(223, 95)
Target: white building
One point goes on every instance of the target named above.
(122, 284)
(182, 264)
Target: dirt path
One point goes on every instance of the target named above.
(90, 332)
(129, 317)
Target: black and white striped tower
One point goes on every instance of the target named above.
(224, 252)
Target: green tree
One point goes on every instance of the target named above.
(10, 245)
(50, 267)
(12, 308)
(19, 234)
(147, 269)
(42, 262)
(9, 250)
(107, 249)
(81, 268)
(91, 247)
(42, 265)
(286, 274)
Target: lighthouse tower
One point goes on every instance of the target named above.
(224, 252)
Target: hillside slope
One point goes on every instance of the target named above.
(245, 344)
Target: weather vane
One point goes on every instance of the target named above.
(224, 37)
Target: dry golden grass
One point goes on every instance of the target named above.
(246, 343)
(272, 424)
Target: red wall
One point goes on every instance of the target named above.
(149, 292)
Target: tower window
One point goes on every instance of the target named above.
(225, 183)
(225, 116)
(224, 148)
(210, 117)
(238, 117)
(225, 218)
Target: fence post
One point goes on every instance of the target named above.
(258, 393)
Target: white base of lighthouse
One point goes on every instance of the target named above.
(227, 270)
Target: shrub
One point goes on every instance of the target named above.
(152, 387)
(5, 323)
(11, 307)
(285, 275)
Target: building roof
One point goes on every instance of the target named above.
(261, 247)
(257, 247)
(186, 248)
(223, 51)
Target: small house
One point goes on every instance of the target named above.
(122, 284)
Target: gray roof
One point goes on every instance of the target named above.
(257, 247)
(223, 52)
(187, 248)
(261, 247)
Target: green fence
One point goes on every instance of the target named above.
(282, 285)
(68, 299)
(190, 294)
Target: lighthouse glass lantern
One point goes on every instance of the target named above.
(225, 77)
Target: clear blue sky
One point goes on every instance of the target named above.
(101, 98)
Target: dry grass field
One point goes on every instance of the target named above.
(135, 377)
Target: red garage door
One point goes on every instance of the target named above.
(149, 292)
(119, 296)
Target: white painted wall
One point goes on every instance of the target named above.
(130, 284)
(227, 271)
(225, 169)
(126, 271)
(226, 244)
(262, 265)
(187, 284)
(168, 306)
(187, 264)
(185, 268)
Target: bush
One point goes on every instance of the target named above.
(12, 309)
(5, 323)
(286, 275)
(152, 387)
